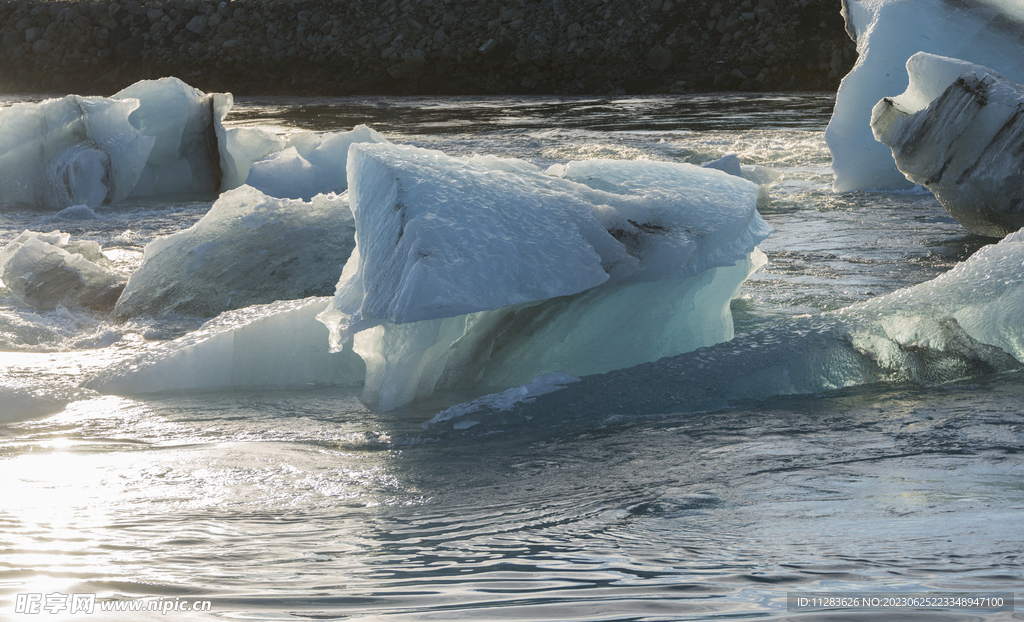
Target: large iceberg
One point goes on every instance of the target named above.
(486, 271)
(888, 32)
(278, 345)
(309, 164)
(959, 131)
(965, 323)
(47, 270)
(70, 151)
(248, 249)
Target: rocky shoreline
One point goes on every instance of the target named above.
(426, 47)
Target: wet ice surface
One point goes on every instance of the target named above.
(306, 504)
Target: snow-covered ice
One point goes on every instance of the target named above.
(47, 270)
(888, 32)
(70, 151)
(958, 131)
(248, 249)
(482, 271)
(278, 345)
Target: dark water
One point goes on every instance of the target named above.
(292, 505)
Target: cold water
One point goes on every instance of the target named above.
(307, 504)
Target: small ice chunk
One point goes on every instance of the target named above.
(244, 146)
(311, 164)
(77, 212)
(44, 275)
(730, 164)
(248, 249)
(541, 385)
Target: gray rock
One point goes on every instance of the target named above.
(41, 46)
(197, 24)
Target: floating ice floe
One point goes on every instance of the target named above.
(965, 323)
(155, 137)
(488, 272)
(888, 32)
(44, 270)
(309, 164)
(70, 151)
(279, 345)
(248, 249)
(958, 130)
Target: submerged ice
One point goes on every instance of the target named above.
(486, 271)
(888, 32)
(958, 130)
(965, 323)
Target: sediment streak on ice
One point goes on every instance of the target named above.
(888, 32)
(959, 131)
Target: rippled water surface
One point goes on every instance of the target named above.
(292, 505)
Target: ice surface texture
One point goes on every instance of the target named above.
(888, 32)
(959, 131)
(965, 323)
(156, 137)
(187, 131)
(263, 346)
(484, 271)
(44, 270)
(70, 151)
(248, 249)
(309, 164)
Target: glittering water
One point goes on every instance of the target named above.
(290, 505)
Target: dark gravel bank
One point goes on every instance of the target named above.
(425, 47)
